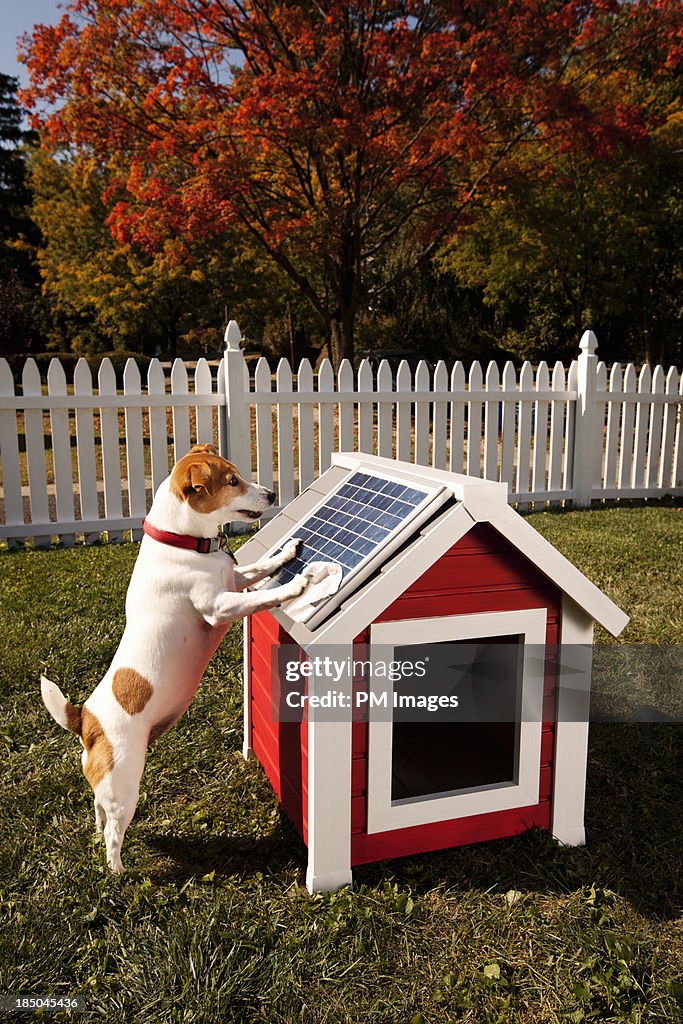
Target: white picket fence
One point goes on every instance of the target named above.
(80, 462)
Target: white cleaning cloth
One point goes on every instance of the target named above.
(325, 578)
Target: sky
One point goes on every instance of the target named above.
(17, 17)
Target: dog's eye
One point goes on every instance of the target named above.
(233, 481)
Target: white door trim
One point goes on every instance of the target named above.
(385, 814)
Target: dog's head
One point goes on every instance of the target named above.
(212, 486)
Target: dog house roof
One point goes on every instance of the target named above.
(453, 503)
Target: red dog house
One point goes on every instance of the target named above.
(430, 559)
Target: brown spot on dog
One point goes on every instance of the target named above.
(206, 480)
(100, 756)
(131, 690)
(73, 718)
(160, 728)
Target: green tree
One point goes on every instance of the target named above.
(18, 236)
(584, 242)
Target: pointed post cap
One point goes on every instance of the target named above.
(588, 343)
(233, 337)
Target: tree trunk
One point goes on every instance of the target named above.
(341, 330)
(172, 337)
(346, 291)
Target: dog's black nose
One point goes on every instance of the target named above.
(271, 496)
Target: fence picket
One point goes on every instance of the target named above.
(526, 386)
(111, 457)
(222, 409)
(9, 452)
(613, 416)
(642, 421)
(181, 413)
(668, 429)
(344, 384)
(61, 450)
(474, 421)
(85, 449)
(325, 415)
(35, 451)
(404, 383)
(677, 471)
(135, 451)
(264, 426)
(538, 478)
(285, 435)
(557, 426)
(492, 410)
(385, 409)
(507, 438)
(422, 406)
(158, 432)
(305, 422)
(568, 465)
(203, 385)
(628, 417)
(439, 417)
(457, 438)
(654, 441)
(365, 407)
(602, 408)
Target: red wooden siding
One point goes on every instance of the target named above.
(481, 573)
(281, 747)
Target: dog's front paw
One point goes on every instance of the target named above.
(296, 587)
(290, 551)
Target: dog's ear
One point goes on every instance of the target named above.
(203, 448)
(191, 478)
(198, 478)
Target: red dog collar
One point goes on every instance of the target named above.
(203, 545)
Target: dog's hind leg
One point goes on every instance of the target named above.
(100, 817)
(117, 797)
(114, 832)
(119, 814)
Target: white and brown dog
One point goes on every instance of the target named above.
(184, 593)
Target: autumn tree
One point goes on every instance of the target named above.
(103, 295)
(326, 129)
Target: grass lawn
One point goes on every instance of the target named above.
(211, 923)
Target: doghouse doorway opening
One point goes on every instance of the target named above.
(477, 746)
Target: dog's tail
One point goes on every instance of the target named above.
(65, 714)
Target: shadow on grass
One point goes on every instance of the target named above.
(634, 838)
(634, 833)
(237, 856)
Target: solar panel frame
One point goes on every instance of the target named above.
(333, 522)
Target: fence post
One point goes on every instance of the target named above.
(233, 437)
(588, 441)
(233, 417)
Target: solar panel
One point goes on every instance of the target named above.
(356, 525)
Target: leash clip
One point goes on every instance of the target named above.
(223, 540)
